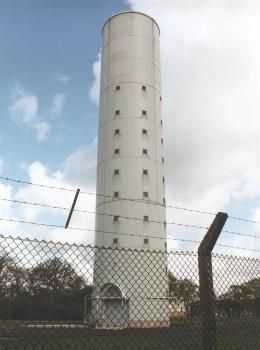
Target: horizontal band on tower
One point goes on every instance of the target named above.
(129, 82)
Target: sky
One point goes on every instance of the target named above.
(49, 89)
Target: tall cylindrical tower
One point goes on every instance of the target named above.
(130, 169)
(130, 147)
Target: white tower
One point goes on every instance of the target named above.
(130, 165)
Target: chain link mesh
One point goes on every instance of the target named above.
(68, 296)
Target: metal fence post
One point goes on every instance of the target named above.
(207, 296)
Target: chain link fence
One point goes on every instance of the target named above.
(68, 296)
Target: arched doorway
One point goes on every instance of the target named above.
(114, 306)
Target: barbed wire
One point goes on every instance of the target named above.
(123, 233)
(86, 211)
(126, 217)
(37, 184)
(143, 201)
(126, 199)
(240, 248)
(84, 228)
(241, 219)
(241, 234)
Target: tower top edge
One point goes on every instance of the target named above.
(132, 12)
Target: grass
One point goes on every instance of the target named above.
(183, 335)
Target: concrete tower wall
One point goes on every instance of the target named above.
(130, 102)
(130, 122)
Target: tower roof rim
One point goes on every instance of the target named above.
(124, 12)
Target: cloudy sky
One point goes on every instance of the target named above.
(49, 85)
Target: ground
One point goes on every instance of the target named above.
(183, 335)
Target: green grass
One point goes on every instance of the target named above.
(183, 335)
(113, 343)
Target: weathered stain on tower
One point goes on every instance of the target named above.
(130, 166)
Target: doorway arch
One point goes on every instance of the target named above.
(115, 306)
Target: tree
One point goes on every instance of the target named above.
(50, 290)
(6, 264)
(183, 291)
(244, 297)
(12, 285)
(54, 277)
(57, 291)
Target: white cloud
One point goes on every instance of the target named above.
(76, 170)
(58, 103)
(62, 78)
(23, 108)
(6, 210)
(1, 165)
(211, 85)
(94, 90)
(42, 131)
(210, 62)
(72, 175)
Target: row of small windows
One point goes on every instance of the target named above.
(145, 172)
(144, 152)
(116, 241)
(146, 242)
(144, 132)
(145, 219)
(145, 195)
(116, 218)
(144, 114)
(118, 88)
(117, 112)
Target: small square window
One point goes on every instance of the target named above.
(163, 200)
(145, 172)
(115, 240)
(145, 194)
(116, 172)
(117, 151)
(117, 132)
(146, 240)
(145, 151)
(144, 132)
(117, 112)
(117, 87)
(116, 218)
(146, 218)
(143, 88)
(144, 112)
(116, 194)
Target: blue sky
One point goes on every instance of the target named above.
(49, 78)
(40, 42)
